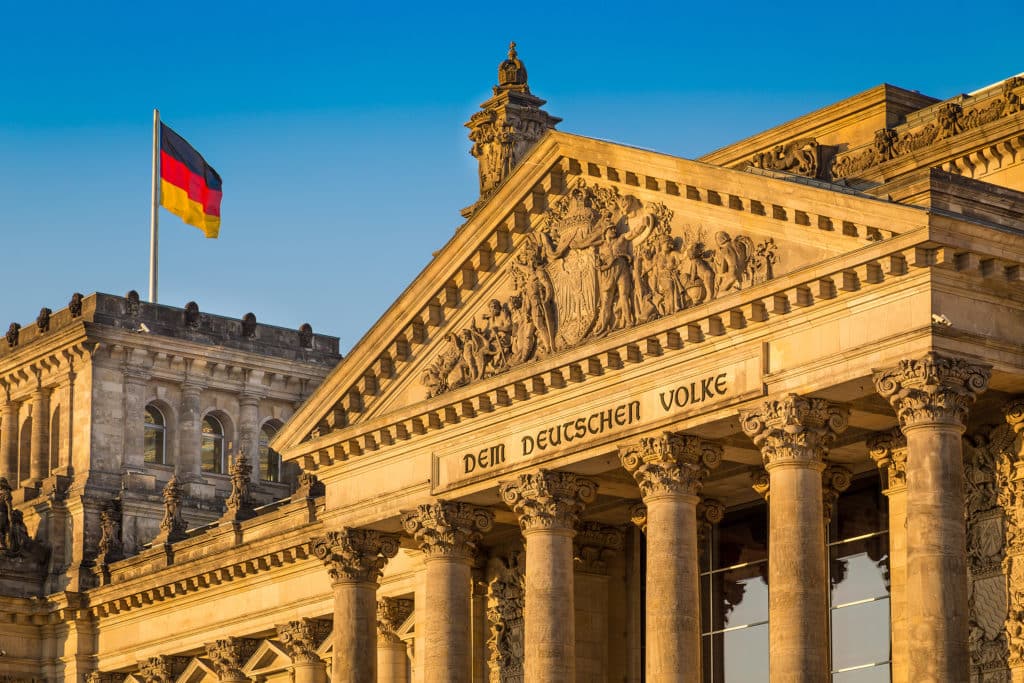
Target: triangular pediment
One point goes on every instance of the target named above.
(585, 240)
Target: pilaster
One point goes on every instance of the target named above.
(594, 547)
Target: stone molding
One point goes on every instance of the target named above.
(933, 390)
(794, 429)
(594, 545)
(391, 614)
(355, 555)
(302, 637)
(548, 500)
(888, 450)
(105, 677)
(834, 480)
(227, 656)
(448, 529)
(670, 464)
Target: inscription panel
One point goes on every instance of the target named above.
(554, 432)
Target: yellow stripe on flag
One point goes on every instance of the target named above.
(176, 200)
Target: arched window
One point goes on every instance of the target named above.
(155, 444)
(270, 460)
(213, 445)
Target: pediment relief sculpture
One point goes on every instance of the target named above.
(596, 261)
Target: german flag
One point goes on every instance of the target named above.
(189, 187)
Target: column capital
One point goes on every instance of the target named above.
(229, 655)
(162, 668)
(761, 482)
(594, 544)
(834, 480)
(888, 449)
(355, 555)
(709, 513)
(932, 390)
(670, 464)
(448, 529)
(1014, 411)
(302, 637)
(391, 614)
(794, 430)
(548, 499)
(638, 516)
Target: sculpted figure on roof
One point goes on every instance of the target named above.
(596, 262)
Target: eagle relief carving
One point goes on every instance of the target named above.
(597, 261)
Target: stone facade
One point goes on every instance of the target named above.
(555, 457)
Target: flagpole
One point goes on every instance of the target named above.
(154, 247)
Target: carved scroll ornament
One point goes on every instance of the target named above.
(801, 157)
(596, 262)
(506, 602)
(794, 428)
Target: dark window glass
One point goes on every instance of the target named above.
(155, 440)
(859, 579)
(213, 445)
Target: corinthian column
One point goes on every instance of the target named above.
(670, 470)
(354, 560)
(392, 660)
(794, 434)
(448, 534)
(889, 451)
(548, 504)
(932, 397)
(301, 639)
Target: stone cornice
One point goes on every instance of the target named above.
(835, 280)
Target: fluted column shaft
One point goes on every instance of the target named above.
(932, 397)
(794, 434)
(354, 559)
(40, 448)
(448, 534)
(9, 443)
(548, 505)
(670, 470)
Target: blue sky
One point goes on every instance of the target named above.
(338, 129)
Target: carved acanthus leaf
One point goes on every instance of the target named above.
(391, 614)
(889, 451)
(161, 669)
(302, 637)
(548, 499)
(834, 480)
(594, 544)
(932, 390)
(670, 464)
(794, 429)
(227, 656)
(355, 555)
(448, 529)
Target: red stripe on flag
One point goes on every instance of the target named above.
(176, 173)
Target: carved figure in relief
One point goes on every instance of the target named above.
(595, 262)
